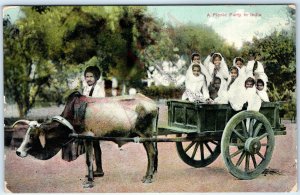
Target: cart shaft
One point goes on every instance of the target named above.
(137, 139)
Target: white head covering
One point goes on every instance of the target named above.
(203, 69)
(223, 72)
(254, 101)
(242, 70)
(222, 93)
(195, 85)
(259, 72)
(236, 92)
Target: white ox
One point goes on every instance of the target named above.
(129, 116)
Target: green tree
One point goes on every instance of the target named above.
(56, 42)
(26, 70)
(203, 39)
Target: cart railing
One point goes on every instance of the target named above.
(191, 117)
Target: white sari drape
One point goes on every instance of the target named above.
(259, 73)
(196, 87)
(222, 72)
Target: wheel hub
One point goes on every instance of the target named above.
(252, 145)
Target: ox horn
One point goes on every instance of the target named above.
(21, 121)
(42, 139)
(63, 121)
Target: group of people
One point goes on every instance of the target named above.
(213, 82)
(210, 83)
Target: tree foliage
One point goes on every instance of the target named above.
(52, 43)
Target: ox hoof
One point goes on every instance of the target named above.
(147, 179)
(88, 184)
(97, 174)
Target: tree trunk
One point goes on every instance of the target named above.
(123, 88)
(22, 111)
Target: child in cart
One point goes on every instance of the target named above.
(196, 85)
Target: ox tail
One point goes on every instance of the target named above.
(155, 144)
(155, 158)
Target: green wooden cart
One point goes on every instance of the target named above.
(245, 138)
(203, 131)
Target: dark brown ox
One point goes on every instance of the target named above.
(126, 116)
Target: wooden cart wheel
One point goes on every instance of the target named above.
(198, 153)
(247, 144)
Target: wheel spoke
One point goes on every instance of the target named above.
(257, 129)
(261, 156)
(236, 153)
(253, 160)
(241, 159)
(244, 129)
(252, 122)
(195, 150)
(247, 163)
(208, 147)
(262, 136)
(239, 135)
(216, 143)
(189, 146)
(201, 151)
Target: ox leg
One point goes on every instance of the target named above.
(98, 157)
(89, 162)
(152, 162)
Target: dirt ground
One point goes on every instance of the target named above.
(125, 167)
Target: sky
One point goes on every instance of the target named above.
(235, 23)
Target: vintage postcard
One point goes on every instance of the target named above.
(150, 98)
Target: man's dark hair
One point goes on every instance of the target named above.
(93, 69)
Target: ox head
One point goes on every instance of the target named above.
(43, 141)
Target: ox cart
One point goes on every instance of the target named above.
(203, 131)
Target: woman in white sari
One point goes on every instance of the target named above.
(236, 89)
(261, 90)
(239, 63)
(195, 59)
(256, 70)
(217, 66)
(196, 85)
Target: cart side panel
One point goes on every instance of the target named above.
(182, 115)
(271, 111)
(202, 117)
(215, 118)
(192, 117)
